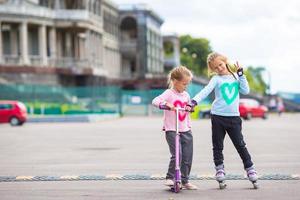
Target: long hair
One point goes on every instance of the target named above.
(211, 57)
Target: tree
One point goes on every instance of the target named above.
(194, 52)
(255, 79)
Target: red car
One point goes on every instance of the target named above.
(251, 108)
(13, 112)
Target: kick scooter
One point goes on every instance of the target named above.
(177, 178)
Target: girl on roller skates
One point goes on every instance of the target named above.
(225, 116)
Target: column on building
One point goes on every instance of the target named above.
(52, 46)
(56, 4)
(86, 4)
(86, 46)
(76, 48)
(24, 43)
(68, 60)
(94, 47)
(82, 48)
(68, 45)
(43, 45)
(100, 50)
(14, 41)
(59, 49)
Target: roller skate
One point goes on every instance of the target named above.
(252, 176)
(220, 177)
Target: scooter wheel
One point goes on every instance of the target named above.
(177, 187)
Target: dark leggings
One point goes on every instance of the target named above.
(185, 153)
(233, 126)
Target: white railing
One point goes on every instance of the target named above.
(71, 62)
(68, 62)
(129, 47)
(16, 9)
(60, 14)
(65, 62)
(35, 60)
(72, 15)
(11, 59)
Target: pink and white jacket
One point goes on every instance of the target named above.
(178, 100)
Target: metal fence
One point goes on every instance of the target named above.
(52, 100)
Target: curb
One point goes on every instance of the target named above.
(73, 118)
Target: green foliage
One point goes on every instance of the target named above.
(255, 79)
(194, 52)
(168, 49)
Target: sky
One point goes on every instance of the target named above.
(254, 32)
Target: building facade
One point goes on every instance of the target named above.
(141, 46)
(59, 41)
(171, 46)
(80, 42)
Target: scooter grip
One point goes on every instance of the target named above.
(192, 105)
(164, 107)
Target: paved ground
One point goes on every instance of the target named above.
(135, 145)
(140, 190)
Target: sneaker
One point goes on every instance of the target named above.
(189, 186)
(169, 182)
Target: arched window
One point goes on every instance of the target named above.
(128, 28)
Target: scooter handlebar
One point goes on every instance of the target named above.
(164, 107)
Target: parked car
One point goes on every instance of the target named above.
(13, 112)
(204, 114)
(252, 108)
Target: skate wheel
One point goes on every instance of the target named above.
(255, 185)
(222, 185)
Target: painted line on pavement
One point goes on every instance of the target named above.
(110, 177)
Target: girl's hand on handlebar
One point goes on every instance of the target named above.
(190, 106)
(171, 106)
(166, 106)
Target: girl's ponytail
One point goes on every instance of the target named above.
(178, 73)
(228, 68)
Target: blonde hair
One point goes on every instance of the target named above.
(211, 57)
(178, 73)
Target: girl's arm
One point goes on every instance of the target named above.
(161, 100)
(244, 86)
(206, 90)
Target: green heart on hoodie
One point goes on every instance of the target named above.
(229, 91)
